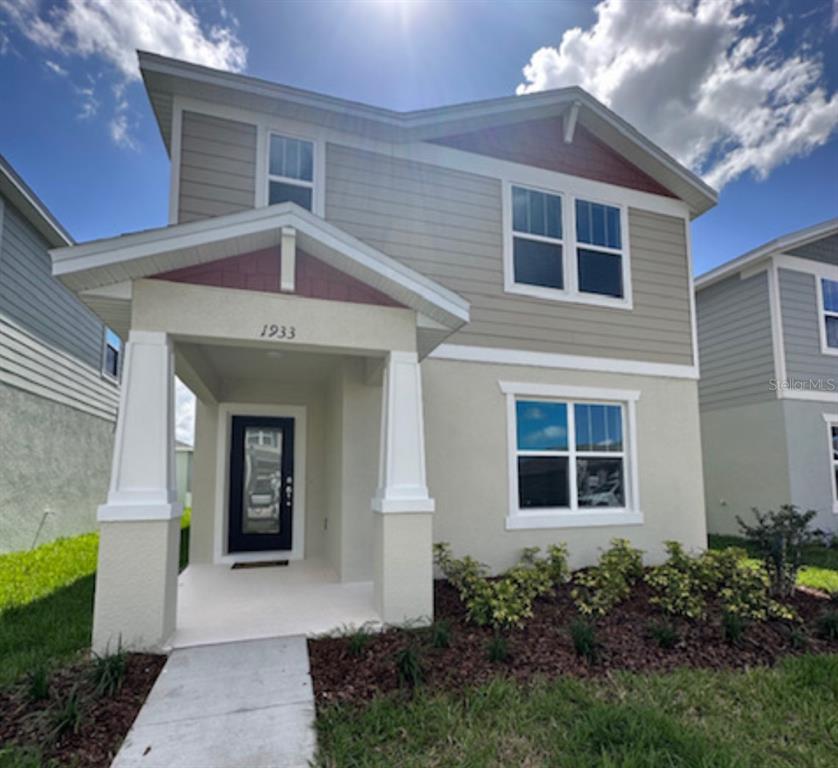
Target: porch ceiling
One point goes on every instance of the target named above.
(92, 268)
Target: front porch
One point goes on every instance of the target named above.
(302, 346)
(219, 604)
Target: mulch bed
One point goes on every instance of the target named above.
(104, 721)
(543, 648)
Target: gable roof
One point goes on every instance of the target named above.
(17, 191)
(114, 260)
(166, 78)
(773, 247)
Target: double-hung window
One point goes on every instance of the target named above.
(110, 357)
(832, 434)
(829, 295)
(566, 248)
(570, 457)
(290, 171)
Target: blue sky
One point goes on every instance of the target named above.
(743, 92)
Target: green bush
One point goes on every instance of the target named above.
(683, 584)
(109, 672)
(733, 627)
(440, 634)
(664, 634)
(506, 601)
(498, 649)
(597, 590)
(780, 538)
(409, 667)
(583, 635)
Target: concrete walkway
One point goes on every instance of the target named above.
(248, 704)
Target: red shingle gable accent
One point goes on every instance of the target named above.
(540, 143)
(260, 271)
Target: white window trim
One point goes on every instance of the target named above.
(524, 519)
(264, 176)
(823, 313)
(570, 292)
(831, 420)
(106, 374)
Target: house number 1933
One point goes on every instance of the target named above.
(272, 331)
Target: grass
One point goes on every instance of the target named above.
(786, 716)
(46, 602)
(820, 570)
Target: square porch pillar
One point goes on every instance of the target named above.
(136, 577)
(402, 508)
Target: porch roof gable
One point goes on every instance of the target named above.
(110, 261)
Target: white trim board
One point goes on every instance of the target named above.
(226, 411)
(831, 420)
(503, 356)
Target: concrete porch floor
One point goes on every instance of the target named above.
(217, 604)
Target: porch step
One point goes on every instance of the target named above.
(248, 703)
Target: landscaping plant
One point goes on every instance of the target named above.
(409, 667)
(37, 684)
(505, 601)
(827, 625)
(583, 635)
(664, 634)
(109, 672)
(733, 627)
(780, 537)
(498, 649)
(358, 641)
(66, 715)
(440, 634)
(597, 590)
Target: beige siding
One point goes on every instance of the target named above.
(217, 168)
(734, 341)
(447, 225)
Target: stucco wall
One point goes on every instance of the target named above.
(810, 464)
(53, 459)
(466, 440)
(745, 462)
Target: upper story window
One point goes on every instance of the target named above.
(830, 313)
(112, 352)
(566, 248)
(290, 171)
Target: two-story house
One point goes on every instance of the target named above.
(768, 338)
(471, 324)
(58, 382)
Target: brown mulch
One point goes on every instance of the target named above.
(104, 720)
(543, 648)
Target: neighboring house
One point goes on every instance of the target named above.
(768, 337)
(183, 473)
(58, 383)
(470, 324)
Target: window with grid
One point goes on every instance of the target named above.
(830, 311)
(599, 249)
(537, 239)
(290, 171)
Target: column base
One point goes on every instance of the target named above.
(403, 566)
(136, 584)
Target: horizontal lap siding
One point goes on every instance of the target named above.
(50, 343)
(218, 167)
(734, 341)
(801, 329)
(446, 224)
(825, 250)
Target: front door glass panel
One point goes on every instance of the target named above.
(262, 480)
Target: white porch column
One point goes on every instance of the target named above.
(136, 579)
(403, 510)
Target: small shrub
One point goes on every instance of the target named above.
(664, 634)
(37, 684)
(506, 601)
(440, 634)
(733, 627)
(827, 625)
(109, 672)
(498, 649)
(409, 667)
(597, 590)
(779, 537)
(583, 635)
(66, 715)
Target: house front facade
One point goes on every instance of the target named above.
(471, 324)
(59, 389)
(768, 338)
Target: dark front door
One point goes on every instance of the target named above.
(261, 484)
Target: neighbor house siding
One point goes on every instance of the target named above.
(217, 167)
(51, 345)
(447, 225)
(734, 340)
(801, 328)
(825, 250)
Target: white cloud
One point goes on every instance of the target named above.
(114, 31)
(89, 102)
(55, 68)
(723, 99)
(184, 413)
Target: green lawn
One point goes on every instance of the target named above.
(46, 602)
(782, 717)
(821, 564)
